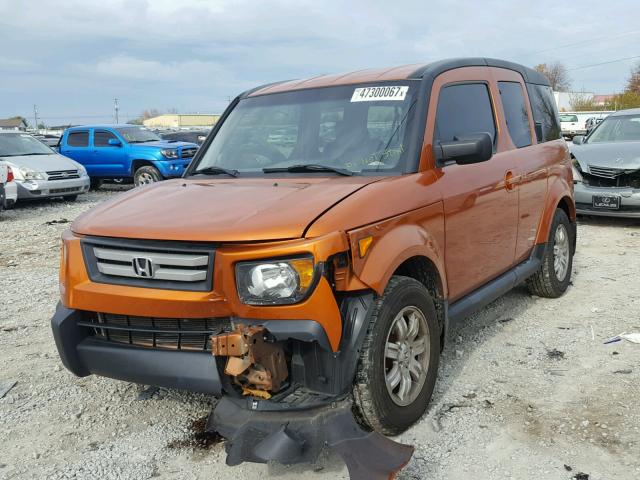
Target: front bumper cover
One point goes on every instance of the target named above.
(629, 198)
(84, 355)
(300, 436)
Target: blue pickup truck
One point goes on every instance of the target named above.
(125, 152)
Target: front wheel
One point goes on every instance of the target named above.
(146, 175)
(554, 275)
(399, 359)
(70, 198)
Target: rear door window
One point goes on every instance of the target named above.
(464, 109)
(101, 138)
(78, 139)
(515, 112)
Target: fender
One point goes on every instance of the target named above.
(416, 233)
(560, 191)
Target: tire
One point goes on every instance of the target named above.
(70, 198)
(146, 175)
(379, 406)
(96, 183)
(554, 275)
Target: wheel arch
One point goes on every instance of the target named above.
(560, 195)
(140, 162)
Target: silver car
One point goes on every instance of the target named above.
(39, 171)
(607, 167)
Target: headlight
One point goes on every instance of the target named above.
(30, 174)
(274, 282)
(575, 168)
(169, 153)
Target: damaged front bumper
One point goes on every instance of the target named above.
(285, 416)
(258, 434)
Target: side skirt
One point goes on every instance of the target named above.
(497, 287)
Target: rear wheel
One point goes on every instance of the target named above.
(553, 277)
(146, 175)
(399, 359)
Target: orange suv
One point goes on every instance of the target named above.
(315, 252)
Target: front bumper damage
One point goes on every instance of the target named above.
(270, 410)
(256, 434)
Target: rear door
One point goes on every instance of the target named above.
(109, 159)
(528, 157)
(76, 146)
(480, 200)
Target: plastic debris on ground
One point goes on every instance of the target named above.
(630, 337)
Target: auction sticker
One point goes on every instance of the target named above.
(376, 94)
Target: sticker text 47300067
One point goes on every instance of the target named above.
(376, 94)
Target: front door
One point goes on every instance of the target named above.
(109, 159)
(480, 200)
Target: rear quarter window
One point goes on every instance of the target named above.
(515, 112)
(78, 139)
(545, 112)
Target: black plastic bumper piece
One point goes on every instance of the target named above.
(84, 355)
(300, 436)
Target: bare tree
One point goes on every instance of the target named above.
(633, 84)
(557, 74)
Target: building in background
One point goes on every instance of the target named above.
(18, 124)
(189, 120)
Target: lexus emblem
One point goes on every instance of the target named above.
(143, 267)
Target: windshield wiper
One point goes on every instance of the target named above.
(216, 171)
(33, 153)
(310, 168)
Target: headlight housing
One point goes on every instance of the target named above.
(575, 168)
(275, 282)
(169, 152)
(29, 174)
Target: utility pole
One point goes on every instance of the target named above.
(115, 109)
(35, 117)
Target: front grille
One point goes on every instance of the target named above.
(188, 152)
(151, 264)
(605, 172)
(162, 333)
(64, 190)
(611, 177)
(62, 174)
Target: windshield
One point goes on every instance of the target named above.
(568, 118)
(137, 134)
(623, 128)
(359, 128)
(16, 144)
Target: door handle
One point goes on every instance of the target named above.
(511, 180)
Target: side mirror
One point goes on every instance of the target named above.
(578, 139)
(114, 142)
(467, 149)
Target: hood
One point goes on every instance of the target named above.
(164, 144)
(235, 210)
(43, 163)
(622, 155)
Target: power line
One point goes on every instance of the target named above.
(590, 41)
(602, 63)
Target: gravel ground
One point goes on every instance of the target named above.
(526, 388)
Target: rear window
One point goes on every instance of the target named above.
(78, 139)
(515, 112)
(545, 112)
(568, 118)
(464, 109)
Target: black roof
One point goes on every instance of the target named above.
(436, 68)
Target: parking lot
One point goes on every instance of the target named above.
(526, 388)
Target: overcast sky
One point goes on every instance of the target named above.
(72, 58)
